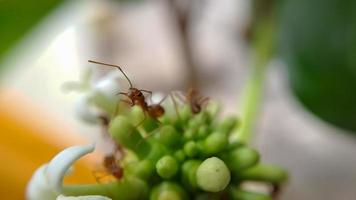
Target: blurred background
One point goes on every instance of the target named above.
(303, 52)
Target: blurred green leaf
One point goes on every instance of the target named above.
(318, 42)
(17, 17)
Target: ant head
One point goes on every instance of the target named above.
(109, 160)
(136, 94)
(196, 108)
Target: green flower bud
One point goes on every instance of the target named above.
(235, 193)
(126, 134)
(191, 149)
(213, 175)
(215, 143)
(179, 155)
(242, 158)
(167, 167)
(168, 136)
(157, 151)
(137, 117)
(194, 123)
(168, 191)
(189, 173)
(267, 173)
(213, 108)
(203, 131)
(165, 120)
(136, 114)
(185, 113)
(228, 124)
(130, 188)
(190, 134)
(143, 169)
(203, 117)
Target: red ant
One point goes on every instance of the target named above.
(136, 96)
(276, 189)
(111, 166)
(194, 99)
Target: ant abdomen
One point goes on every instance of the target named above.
(156, 111)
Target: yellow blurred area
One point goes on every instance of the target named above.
(30, 137)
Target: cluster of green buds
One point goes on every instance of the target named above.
(188, 156)
(179, 156)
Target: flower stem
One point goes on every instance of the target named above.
(126, 188)
(252, 93)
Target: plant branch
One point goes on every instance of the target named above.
(252, 93)
(182, 20)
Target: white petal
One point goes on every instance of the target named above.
(85, 111)
(90, 197)
(37, 188)
(109, 85)
(60, 164)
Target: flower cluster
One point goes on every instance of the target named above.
(181, 155)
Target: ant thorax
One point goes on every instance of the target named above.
(136, 95)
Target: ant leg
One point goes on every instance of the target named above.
(99, 179)
(276, 189)
(180, 96)
(149, 93)
(104, 120)
(164, 98)
(99, 175)
(175, 106)
(118, 150)
(126, 101)
(149, 135)
(123, 93)
(141, 122)
(156, 120)
(117, 106)
(116, 111)
(204, 100)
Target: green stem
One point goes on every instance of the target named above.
(124, 189)
(93, 189)
(252, 93)
(250, 104)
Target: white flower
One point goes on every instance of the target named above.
(46, 183)
(85, 110)
(99, 96)
(38, 188)
(109, 85)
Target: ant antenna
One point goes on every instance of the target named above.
(111, 65)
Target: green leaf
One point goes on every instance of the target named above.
(318, 43)
(17, 17)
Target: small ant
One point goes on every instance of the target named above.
(194, 99)
(276, 189)
(112, 167)
(136, 96)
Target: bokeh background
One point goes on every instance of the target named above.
(305, 49)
